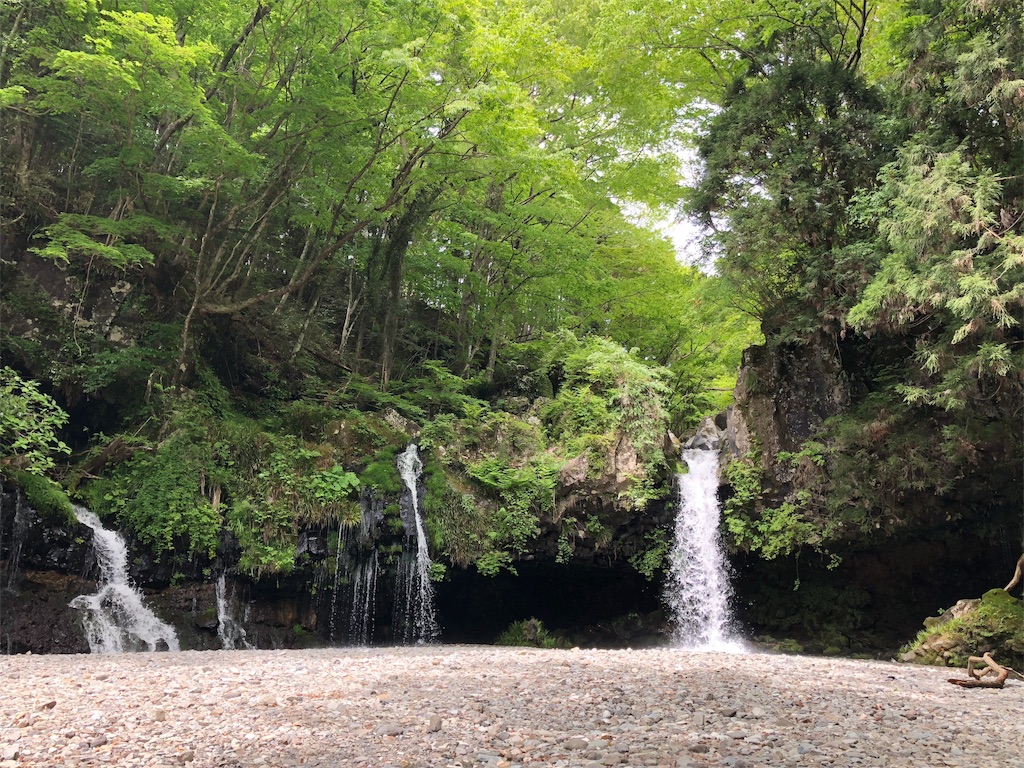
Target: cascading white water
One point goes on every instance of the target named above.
(229, 629)
(419, 612)
(354, 588)
(698, 589)
(364, 599)
(115, 618)
(19, 527)
(336, 581)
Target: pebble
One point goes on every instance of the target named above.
(479, 706)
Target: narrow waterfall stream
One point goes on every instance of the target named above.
(115, 618)
(415, 598)
(698, 589)
(229, 628)
(18, 530)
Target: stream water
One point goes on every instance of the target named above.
(698, 589)
(115, 618)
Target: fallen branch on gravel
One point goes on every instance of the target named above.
(991, 668)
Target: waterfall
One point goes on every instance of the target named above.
(355, 589)
(115, 618)
(341, 547)
(414, 585)
(698, 585)
(19, 527)
(229, 629)
(364, 599)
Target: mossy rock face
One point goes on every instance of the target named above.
(995, 625)
(45, 496)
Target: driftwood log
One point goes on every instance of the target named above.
(1017, 574)
(991, 668)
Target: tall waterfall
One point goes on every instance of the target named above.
(115, 618)
(698, 589)
(415, 591)
(229, 629)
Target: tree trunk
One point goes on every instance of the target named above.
(305, 327)
(492, 358)
(398, 241)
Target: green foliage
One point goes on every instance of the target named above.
(607, 390)
(437, 390)
(29, 421)
(998, 626)
(88, 237)
(530, 633)
(495, 494)
(493, 561)
(779, 531)
(266, 535)
(161, 495)
(210, 468)
(598, 531)
(438, 433)
(330, 486)
(794, 142)
(577, 412)
(744, 477)
(770, 531)
(524, 494)
(438, 572)
(566, 540)
(381, 473)
(457, 523)
(952, 256)
(654, 559)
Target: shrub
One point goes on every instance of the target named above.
(530, 632)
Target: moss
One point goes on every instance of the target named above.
(45, 496)
(996, 627)
(785, 645)
(381, 474)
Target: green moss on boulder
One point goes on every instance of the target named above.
(45, 496)
(994, 624)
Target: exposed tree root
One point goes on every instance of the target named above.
(991, 668)
(1017, 574)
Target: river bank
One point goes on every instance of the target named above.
(500, 707)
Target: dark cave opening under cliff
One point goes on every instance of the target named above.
(587, 603)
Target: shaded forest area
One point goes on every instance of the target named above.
(251, 250)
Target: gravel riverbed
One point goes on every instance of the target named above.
(467, 706)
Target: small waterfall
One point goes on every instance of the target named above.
(698, 586)
(115, 618)
(335, 585)
(19, 527)
(414, 590)
(229, 629)
(354, 591)
(362, 618)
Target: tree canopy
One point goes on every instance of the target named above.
(263, 209)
